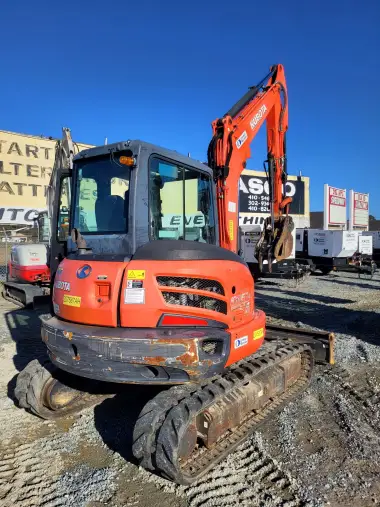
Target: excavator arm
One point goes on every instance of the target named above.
(229, 150)
(63, 163)
(65, 150)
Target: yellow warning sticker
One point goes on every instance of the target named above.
(71, 300)
(136, 274)
(231, 229)
(259, 333)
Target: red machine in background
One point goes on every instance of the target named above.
(28, 274)
(27, 264)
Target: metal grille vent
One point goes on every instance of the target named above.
(191, 283)
(183, 299)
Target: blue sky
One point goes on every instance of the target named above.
(162, 71)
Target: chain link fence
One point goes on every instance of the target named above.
(13, 235)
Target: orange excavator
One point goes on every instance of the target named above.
(150, 289)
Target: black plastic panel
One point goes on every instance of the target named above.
(180, 250)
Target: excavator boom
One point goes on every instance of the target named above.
(229, 151)
(64, 155)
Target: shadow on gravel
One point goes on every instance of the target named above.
(24, 327)
(358, 284)
(115, 418)
(340, 276)
(362, 324)
(307, 295)
(263, 282)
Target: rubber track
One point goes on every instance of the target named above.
(154, 412)
(13, 300)
(150, 419)
(167, 440)
(30, 386)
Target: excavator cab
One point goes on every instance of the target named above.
(128, 194)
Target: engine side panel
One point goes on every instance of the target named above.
(216, 290)
(88, 292)
(145, 293)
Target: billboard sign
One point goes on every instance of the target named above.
(359, 210)
(26, 164)
(17, 215)
(254, 198)
(335, 208)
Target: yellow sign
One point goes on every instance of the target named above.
(71, 300)
(231, 229)
(26, 164)
(136, 274)
(259, 333)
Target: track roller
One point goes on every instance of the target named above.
(183, 433)
(41, 389)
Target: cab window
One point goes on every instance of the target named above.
(102, 186)
(180, 202)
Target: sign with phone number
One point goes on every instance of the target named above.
(254, 195)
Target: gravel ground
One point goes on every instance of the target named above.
(322, 449)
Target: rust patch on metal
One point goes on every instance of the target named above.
(188, 358)
(192, 373)
(191, 356)
(68, 335)
(155, 360)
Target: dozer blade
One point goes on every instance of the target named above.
(321, 342)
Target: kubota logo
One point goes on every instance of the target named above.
(84, 271)
(60, 284)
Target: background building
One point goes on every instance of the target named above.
(26, 164)
(254, 198)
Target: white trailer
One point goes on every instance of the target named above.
(375, 235)
(332, 250)
(249, 236)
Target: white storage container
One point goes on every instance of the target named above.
(328, 244)
(375, 238)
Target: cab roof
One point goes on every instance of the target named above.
(135, 146)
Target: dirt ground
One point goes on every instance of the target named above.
(322, 449)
